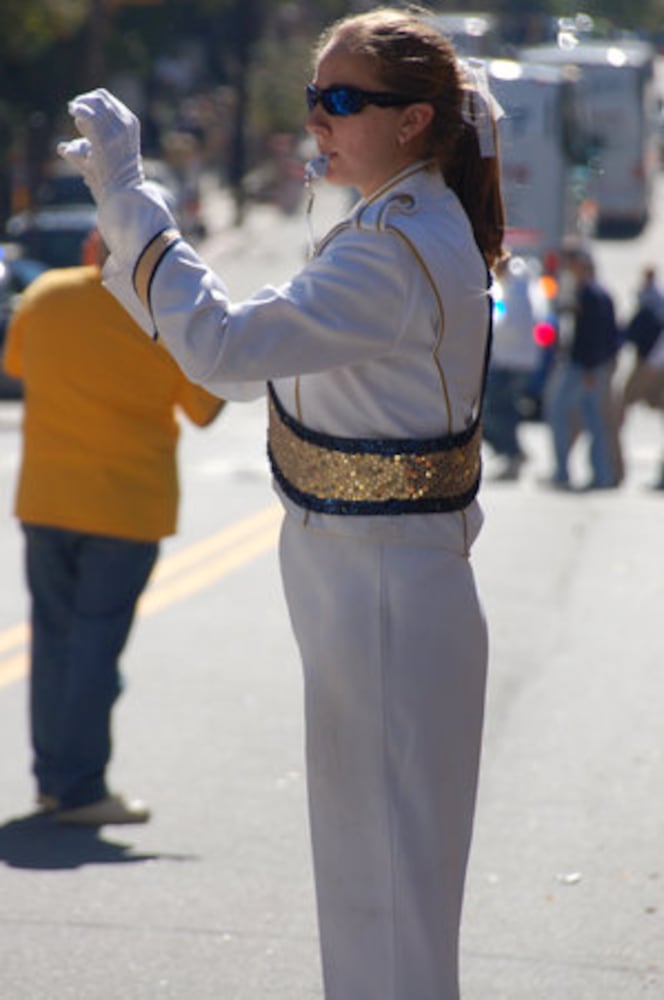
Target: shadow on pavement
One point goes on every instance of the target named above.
(37, 842)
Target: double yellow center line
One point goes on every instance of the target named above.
(176, 577)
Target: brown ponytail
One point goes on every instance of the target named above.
(476, 181)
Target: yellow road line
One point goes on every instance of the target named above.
(13, 668)
(176, 577)
(165, 593)
(235, 533)
(17, 635)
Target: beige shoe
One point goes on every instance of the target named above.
(113, 810)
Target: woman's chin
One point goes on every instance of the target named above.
(337, 178)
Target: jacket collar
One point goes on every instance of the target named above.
(390, 185)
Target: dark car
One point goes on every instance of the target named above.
(16, 273)
(53, 234)
(55, 227)
(63, 189)
(64, 214)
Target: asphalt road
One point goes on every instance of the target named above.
(213, 898)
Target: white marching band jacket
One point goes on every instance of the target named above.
(373, 355)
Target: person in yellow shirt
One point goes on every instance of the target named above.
(97, 490)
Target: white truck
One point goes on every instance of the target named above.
(618, 92)
(543, 156)
(471, 34)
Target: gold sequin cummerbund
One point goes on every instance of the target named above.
(340, 475)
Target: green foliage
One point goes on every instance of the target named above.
(52, 49)
(30, 27)
(281, 71)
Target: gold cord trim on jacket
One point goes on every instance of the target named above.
(149, 261)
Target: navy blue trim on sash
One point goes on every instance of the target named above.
(372, 446)
(376, 446)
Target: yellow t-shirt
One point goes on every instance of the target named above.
(100, 427)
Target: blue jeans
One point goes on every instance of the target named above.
(576, 394)
(501, 416)
(84, 590)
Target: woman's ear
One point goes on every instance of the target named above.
(416, 119)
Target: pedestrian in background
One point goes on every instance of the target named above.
(650, 295)
(97, 490)
(514, 359)
(377, 351)
(644, 327)
(642, 332)
(654, 393)
(645, 332)
(579, 396)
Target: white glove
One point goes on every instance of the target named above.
(108, 155)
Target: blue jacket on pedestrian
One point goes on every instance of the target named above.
(596, 336)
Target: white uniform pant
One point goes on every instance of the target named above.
(394, 651)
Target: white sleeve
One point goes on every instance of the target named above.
(344, 307)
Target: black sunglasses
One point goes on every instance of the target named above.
(344, 101)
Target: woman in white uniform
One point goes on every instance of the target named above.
(374, 356)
